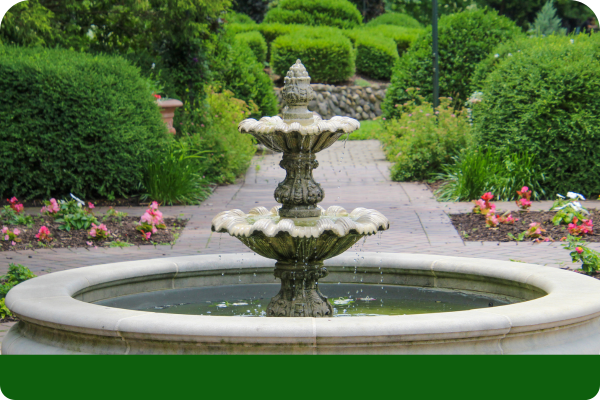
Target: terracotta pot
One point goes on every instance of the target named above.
(167, 110)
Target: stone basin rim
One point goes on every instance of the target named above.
(572, 303)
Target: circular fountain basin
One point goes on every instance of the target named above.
(559, 312)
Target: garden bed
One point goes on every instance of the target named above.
(123, 233)
(472, 227)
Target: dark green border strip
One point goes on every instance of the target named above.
(337, 377)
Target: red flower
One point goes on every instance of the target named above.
(157, 96)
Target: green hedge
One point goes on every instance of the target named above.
(465, 39)
(397, 19)
(403, 37)
(327, 54)
(239, 18)
(255, 42)
(73, 123)
(236, 28)
(333, 13)
(543, 100)
(375, 56)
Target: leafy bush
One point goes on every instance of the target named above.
(239, 18)
(327, 54)
(474, 172)
(540, 100)
(255, 42)
(375, 56)
(403, 37)
(465, 39)
(273, 31)
(333, 13)
(235, 68)
(16, 274)
(72, 214)
(419, 143)
(73, 122)
(396, 19)
(176, 177)
(236, 28)
(227, 152)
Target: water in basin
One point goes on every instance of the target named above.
(347, 300)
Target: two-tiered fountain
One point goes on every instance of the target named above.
(110, 308)
(299, 234)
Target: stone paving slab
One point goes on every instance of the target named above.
(353, 174)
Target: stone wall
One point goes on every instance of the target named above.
(358, 102)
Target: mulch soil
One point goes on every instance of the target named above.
(120, 230)
(473, 229)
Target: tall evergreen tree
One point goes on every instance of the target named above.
(547, 22)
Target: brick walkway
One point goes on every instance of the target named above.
(353, 175)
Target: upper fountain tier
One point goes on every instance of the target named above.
(300, 130)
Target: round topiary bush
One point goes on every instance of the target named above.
(375, 56)
(333, 13)
(464, 39)
(543, 99)
(74, 123)
(255, 42)
(327, 54)
(396, 19)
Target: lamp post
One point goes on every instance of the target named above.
(436, 56)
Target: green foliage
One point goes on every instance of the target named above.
(74, 215)
(28, 23)
(465, 39)
(238, 18)
(369, 129)
(327, 54)
(16, 274)
(73, 122)
(375, 56)
(539, 100)
(4, 311)
(475, 172)
(228, 151)
(237, 69)
(175, 177)
(255, 9)
(333, 13)
(547, 22)
(421, 10)
(567, 210)
(236, 28)
(403, 37)
(255, 42)
(590, 259)
(8, 216)
(395, 19)
(273, 31)
(420, 143)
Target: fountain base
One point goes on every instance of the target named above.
(299, 295)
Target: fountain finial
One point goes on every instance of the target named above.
(297, 92)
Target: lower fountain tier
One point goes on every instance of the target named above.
(300, 240)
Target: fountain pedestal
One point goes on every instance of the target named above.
(299, 295)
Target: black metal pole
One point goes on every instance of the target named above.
(436, 56)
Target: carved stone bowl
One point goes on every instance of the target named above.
(277, 135)
(300, 240)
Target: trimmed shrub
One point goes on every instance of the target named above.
(235, 68)
(465, 39)
(419, 143)
(272, 31)
(238, 18)
(327, 54)
(73, 123)
(375, 56)
(236, 28)
(255, 42)
(395, 19)
(333, 13)
(403, 37)
(541, 100)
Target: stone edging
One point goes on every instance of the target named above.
(565, 321)
(361, 103)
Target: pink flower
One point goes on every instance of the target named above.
(579, 250)
(487, 196)
(89, 243)
(13, 243)
(18, 207)
(52, 208)
(91, 205)
(43, 233)
(524, 203)
(13, 200)
(491, 220)
(15, 205)
(6, 237)
(4, 230)
(98, 231)
(524, 189)
(16, 231)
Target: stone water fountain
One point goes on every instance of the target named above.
(299, 234)
(111, 308)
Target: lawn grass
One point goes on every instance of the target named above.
(369, 129)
